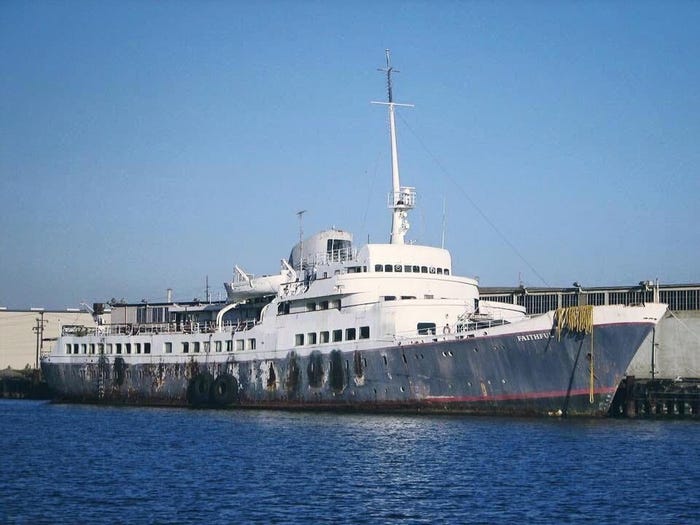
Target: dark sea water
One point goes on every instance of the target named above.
(90, 464)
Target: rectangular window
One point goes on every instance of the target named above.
(439, 271)
(310, 307)
(119, 348)
(128, 348)
(323, 305)
(364, 332)
(423, 269)
(407, 268)
(335, 304)
(195, 347)
(378, 268)
(239, 345)
(101, 348)
(299, 339)
(416, 269)
(168, 348)
(138, 348)
(68, 349)
(251, 344)
(337, 335)
(325, 337)
(83, 348)
(447, 271)
(311, 337)
(109, 348)
(388, 268)
(217, 346)
(207, 346)
(185, 348)
(350, 334)
(426, 328)
(92, 348)
(146, 348)
(229, 346)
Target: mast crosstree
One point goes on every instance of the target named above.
(402, 198)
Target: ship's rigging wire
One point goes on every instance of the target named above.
(488, 221)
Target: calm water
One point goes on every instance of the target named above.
(86, 464)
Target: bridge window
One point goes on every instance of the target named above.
(239, 345)
(146, 348)
(299, 340)
(337, 335)
(350, 334)
(364, 332)
(138, 348)
(325, 337)
(311, 337)
(251, 344)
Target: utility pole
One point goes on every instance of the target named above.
(39, 330)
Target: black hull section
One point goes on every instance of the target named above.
(523, 374)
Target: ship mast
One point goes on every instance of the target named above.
(401, 199)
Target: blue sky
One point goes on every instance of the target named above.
(148, 145)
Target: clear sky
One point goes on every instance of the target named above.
(148, 145)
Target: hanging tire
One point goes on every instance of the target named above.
(224, 390)
(198, 390)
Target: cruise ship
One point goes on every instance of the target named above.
(379, 327)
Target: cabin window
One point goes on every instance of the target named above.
(310, 307)
(207, 346)
(195, 347)
(311, 337)
(138, 348)
(378, 268)
(447, 271)
(299, 340)
(337, 335)
(146, 348)
(407, 268)
(350, 334)
(168, 348)
(217, 346)
(128, 348)
(283, 308)
(364, 333)
(101, 348)
(185, 348)
(239, 345)
(251, 344)
(423, 269)
(388, 268)
(83, 348)
(92, 348)
(109, 348)
(119, 348)
(325, 337)
(426, 328)
(229, 346)
(439, 271)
